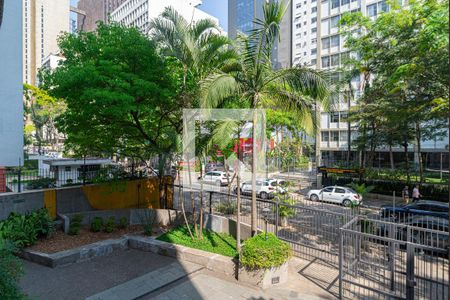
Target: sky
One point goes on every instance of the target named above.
(216, 8)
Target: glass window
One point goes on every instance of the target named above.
(299, 25)
(334, 117)
(314, 51)
(314, 9)
(339, 191)
(325, 43)
(313, 41)
(325, 62)
(314, 30)
(298, 5)
(343, 136)
(328, 189)
(344, 116)
(67, 169)
(325, 136)
(343, 2)
(334, 60)
(335, 3)
(372, 10)
(313, 61)
(313, 20)
(334, 21)
(335, 136)
(383, 6)
(334, 41)
(345, 57)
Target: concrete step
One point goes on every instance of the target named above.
(149, 282)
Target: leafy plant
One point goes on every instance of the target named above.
(361, 189)
(284, 210)
(75, 224)
(226, 208)
(10, 271)
(97, 224)
(110, 225)
(41, 183)
(147, 219)
(123, 223)
(259, 253)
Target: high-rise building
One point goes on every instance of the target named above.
(139, 13)
(95, 10)
(43, 22)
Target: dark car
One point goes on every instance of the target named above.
(418, 208)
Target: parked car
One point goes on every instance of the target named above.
(336, 194)
(265, 188)
(215, 177)
(421, 207)
(214, 167)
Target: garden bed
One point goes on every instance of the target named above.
(219, 243)
(60, 241)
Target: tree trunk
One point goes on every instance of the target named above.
(349, 131)
(253, 210)
(238, 200)
(419, 151)
(408, 177)
(183, 211)
(391, 157)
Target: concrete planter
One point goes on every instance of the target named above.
(265, 278)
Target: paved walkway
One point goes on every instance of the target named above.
(133, 274)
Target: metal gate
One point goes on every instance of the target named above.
(385, 260)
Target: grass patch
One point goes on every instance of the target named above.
(214, 242)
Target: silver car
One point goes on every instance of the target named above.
(336, 194)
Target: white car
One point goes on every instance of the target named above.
(265, 188)
(216, 177)
(336, 194)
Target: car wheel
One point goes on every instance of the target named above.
(218, 183)
(314, 197)
(347, 203)
(263, 195)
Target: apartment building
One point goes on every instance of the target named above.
(139, 13)
(43, 22)
(95, 11)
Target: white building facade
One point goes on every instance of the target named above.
(139, 13)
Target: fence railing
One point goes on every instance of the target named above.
(378, 239)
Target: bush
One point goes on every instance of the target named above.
(41, 183)
(226, 208)
(97, 224)
(110, 225)
(10, 271)
(147, 218)
(257, 253)
(123, 223)
(285, 211)
(75, 224)
(24, 230)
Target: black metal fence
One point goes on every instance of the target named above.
(319, 231)
(19, 180)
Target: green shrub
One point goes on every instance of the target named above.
(285, 211)
(147, 218)
(41, 183)
(10, 271)
(24, 230)
(123, 223)
(97, 224)
(110, 225)
(226, 208)
(75, 224)
(259, 253)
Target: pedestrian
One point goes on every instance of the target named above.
(415, 193)
(405, 195)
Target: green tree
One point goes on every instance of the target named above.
(252, 80)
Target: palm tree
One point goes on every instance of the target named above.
(251, 78)
(199, 48)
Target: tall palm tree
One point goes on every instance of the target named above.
(199, 48)
(252, 79)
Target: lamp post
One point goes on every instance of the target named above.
(265, 212)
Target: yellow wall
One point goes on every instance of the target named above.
(50, 202)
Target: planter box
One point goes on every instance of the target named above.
(265, 278)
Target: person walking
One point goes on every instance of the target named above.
(415, 193)
(405, 195)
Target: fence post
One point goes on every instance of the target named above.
(210, 202)
(341, 265)
(410, 282)
(277, 215)
(19, 181)
(391, 256)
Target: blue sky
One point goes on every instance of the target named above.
(218, 9)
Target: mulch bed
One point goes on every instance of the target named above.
(60, 241)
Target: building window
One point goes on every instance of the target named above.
(325, 43)
(313, 41)
(314, 51)
(313, 20)
(304, 23)
(325, 136)
(314, 61)
(314, 9)
(298, 5)
(334, 117)
(325, 62)
(335, 3)
(335, 136)
(299, 25)
(383, 6)
(67, 169)
(334, 21)
(344, 2)
(372, 10)
(343, 117)
(345, 57)
(314, 30)
(334, 60)
(334, 41)
(299, 45)
(343, 136)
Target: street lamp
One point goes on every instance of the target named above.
(266, 212)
